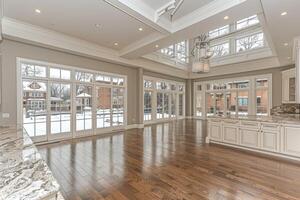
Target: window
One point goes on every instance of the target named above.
(159, 105)
(118, 107)
(103, 79)
(30, 70)
(148, 84)
(60, 108)
(83, 107)
(60, 73)
(83, 77)
(262, 97)
(103, 111)
(219, 32)
(250, 42)
(147, 105)
(163, 99)
(235, 96)
(178, 51)
(247, 22)
(100, 101)
(220, 50)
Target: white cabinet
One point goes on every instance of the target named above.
(270, 136)
(215, 131)
(249, 137)
(288, 86)
(274, 138)
(231, 132)
(291, 140)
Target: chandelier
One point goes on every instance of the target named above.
(201, 54)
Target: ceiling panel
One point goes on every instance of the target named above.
(283, 29)
(78, 18)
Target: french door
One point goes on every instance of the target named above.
(60, 102)
(60, 110)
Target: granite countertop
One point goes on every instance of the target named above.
(281, 119)
(23, 172)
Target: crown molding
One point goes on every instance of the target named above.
(31, 34)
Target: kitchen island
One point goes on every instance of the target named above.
(273, 135)
(23, 172)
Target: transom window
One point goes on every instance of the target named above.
(178, 51)
(219, 32)
(249, 21)
(250, 42)
(220, 50)
(237, 37)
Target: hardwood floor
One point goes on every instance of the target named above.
(167, 161)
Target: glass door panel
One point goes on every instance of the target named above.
(35, 109)
(210, 103)
(173, 105)
(147, 105)
(220, 108)
(159, 108)
(60, 110)
(262, 102)
(103, 107)
(166, 105)
(118, 107)
(243, 102)
(83, 107)
(198, 104)
(180, 105)
(231, 102)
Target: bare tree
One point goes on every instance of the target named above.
(249, 43)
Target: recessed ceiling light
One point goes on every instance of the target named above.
(286, 44)
(97, 25)
(116, 44)
(38, 11)
(288, 58)
(283, 13)
(141, 29)
(156, 46)
(226, 17)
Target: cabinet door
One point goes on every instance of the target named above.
(269, 140)
(291, 141)
(215, 131)
(230, 134)
(249, 137)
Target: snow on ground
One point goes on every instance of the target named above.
(61, 123)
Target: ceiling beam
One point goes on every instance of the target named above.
(141, 12)
(200, 21)
(31, 34)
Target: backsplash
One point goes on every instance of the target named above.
(286, 109)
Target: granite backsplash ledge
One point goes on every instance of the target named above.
(286, 109)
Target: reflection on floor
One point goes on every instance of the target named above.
(166, 161)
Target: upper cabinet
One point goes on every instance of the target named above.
(289, 86)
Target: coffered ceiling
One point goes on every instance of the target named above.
(123, 31)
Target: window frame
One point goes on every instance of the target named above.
(73, 83)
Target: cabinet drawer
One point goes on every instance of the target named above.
(250, 124)
(270, 126)
(231, 122)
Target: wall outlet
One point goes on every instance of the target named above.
(5, 115)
